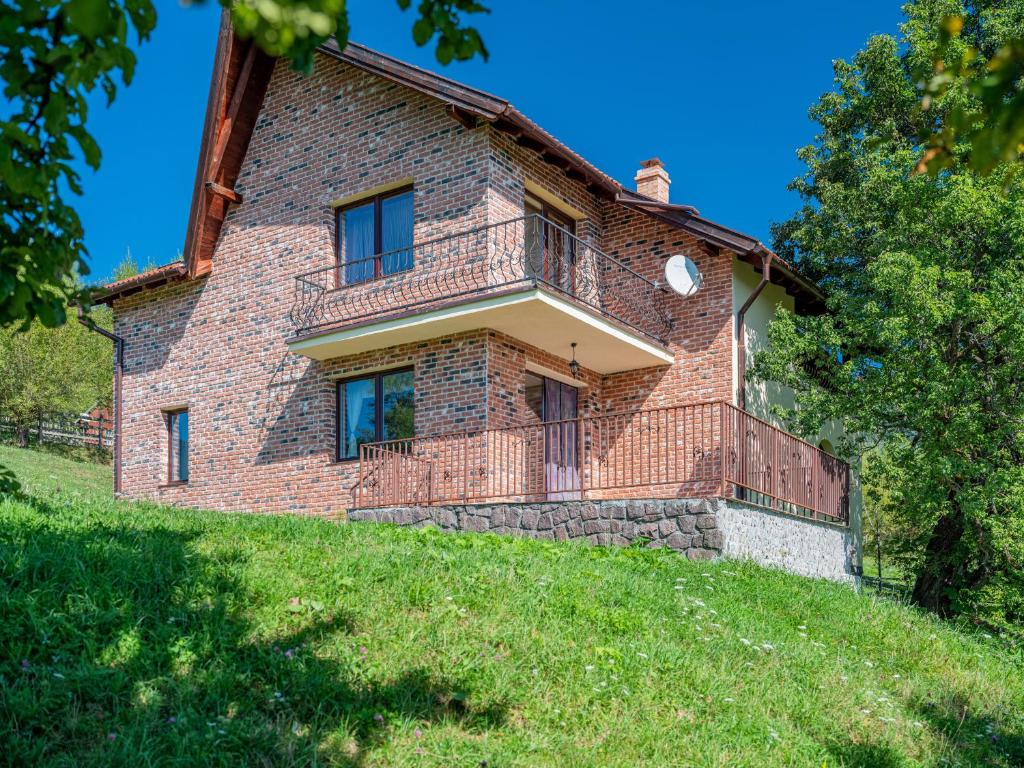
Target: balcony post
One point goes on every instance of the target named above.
(721, 447)
(359, 478)
(579, 456)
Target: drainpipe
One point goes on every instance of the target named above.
(89, 323)
(741, 327)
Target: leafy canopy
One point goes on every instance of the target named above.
(54, 370)
(922, 347)
(977, 67)
(54, 53)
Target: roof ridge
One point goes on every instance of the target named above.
(374, 52)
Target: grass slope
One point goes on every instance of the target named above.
(140, 635)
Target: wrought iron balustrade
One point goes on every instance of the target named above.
(519, 253)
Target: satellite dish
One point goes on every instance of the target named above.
(682, 275)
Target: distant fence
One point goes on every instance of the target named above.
(885, 586)
(70, 429)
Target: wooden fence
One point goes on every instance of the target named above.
(60, 429)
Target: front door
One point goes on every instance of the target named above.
(561, 441)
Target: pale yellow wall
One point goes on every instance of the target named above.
(761, 396)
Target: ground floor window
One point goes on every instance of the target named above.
(177, 442)
(374, 408)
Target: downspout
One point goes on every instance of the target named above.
(741, 326)
(89, 323)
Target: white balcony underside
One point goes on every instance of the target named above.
(534, 316)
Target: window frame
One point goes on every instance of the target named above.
(169, 417)
(378, 234)
(550, 212)
(378, 407)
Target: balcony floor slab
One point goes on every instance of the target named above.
(536, 316)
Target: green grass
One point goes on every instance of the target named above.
(889, 571)
(132, 634)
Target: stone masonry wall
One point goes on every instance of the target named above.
(700, 529)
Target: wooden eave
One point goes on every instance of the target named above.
(152, 278)
(241, 73)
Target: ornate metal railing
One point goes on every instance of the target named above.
(659, 453)
(526, 251)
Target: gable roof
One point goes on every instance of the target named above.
(242, 72)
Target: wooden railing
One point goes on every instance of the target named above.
(659, 453)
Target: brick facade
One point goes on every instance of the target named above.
(262, 419)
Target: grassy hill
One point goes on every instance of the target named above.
(140, 635)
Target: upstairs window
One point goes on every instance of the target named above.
(375, 237)
(374, 408)
(177, 442)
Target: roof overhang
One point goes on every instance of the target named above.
(241, 73)
(534, 316)
(151, 278)
(810, 298)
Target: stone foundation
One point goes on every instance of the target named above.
(701, 529)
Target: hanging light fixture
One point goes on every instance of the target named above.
(574, 367)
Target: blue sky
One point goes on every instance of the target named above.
(719, 91)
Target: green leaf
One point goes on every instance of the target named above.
(90, 17)
(422, 31)
(90, 149)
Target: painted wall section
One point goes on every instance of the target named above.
(762, 396)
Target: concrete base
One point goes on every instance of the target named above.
(701, 529)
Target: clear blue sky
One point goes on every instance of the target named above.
(719, 91)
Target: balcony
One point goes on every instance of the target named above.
(702, 450)
(528, 277)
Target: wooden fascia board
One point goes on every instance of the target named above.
(197, 212)
(230, 118)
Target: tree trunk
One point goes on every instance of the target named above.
(21, 435)
(933, 583)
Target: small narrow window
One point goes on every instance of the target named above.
(177, 439)
(374, 408)
(375, 237)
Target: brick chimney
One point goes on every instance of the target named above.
(652, 180)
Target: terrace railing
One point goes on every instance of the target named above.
(708, 449)
(523, 252)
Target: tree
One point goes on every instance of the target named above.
(975, 76)
(56, 52)
(129, 267)
(922, 346)
(46, 370)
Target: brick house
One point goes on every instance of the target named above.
(403, 300)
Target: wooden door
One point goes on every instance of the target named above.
(561, 441)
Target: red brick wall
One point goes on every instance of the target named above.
(508, 361)
(263, 420)
(701, 338)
